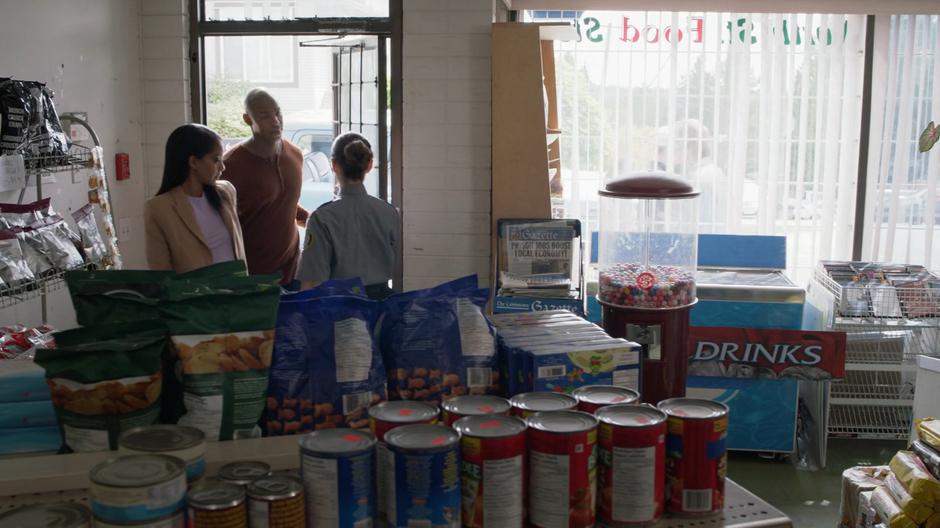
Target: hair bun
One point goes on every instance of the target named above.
(357, 152)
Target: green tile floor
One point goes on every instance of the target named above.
(810, 498)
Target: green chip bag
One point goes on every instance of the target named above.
(114, 296)
(230, 268)
(222, 331)
(104, 380)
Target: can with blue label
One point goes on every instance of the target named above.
(426, 465)
(138, 488)
(338, 468)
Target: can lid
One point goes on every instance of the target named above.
(543, 401)
(562, 421)
(275, 487)
(422, 437)
(337, 441)
(605, 394)
(137, 471)
(244, 472)
(214, 494)
(693, 408)
(60, 515)
(630, 415)
(403, 411)
(490, 426)
(158, 438)
(473, 405)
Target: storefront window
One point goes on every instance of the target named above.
(760, 111)
(292, 9)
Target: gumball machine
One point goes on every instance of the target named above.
(647, 251)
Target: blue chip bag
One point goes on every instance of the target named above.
(326, 369)
(331, 287)
(437, 344)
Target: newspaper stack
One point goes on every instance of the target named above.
(539, 261)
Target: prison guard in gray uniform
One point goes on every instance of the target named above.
(354, 236)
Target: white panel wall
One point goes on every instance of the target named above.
(88, 52)
(446, 143)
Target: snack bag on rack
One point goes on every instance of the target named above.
(23, 215)
(38, 263)
(910, 470)
(14, 116)
(54, 240)
(93, 246)
(327, 370)
(888, 511)
(913, 508)
(14, 269)
(437, 344)
(104, 379)
(115, 295)
(222, 331)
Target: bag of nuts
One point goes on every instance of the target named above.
(222, 330)
(327, 370)
(104, 380)
(437, 344)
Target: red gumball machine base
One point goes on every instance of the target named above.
(664, 335)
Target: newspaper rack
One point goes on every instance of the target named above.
(539, 265)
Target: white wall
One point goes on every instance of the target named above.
(87, 51)
(446, 143)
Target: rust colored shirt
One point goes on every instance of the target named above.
(268, 193)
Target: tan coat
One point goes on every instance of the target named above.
(174, 238)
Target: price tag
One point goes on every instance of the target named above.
(12, 172)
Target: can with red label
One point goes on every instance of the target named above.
(593, 397)
(631, 456)
(493, 469)
(383, 418)
(472, 405)
(562, 469)
(527, 403)
(696, 455)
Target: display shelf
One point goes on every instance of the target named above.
(869, 421)
(33, 289)
(78, 157)
(743, 509)
(914, 300)
(867, 387)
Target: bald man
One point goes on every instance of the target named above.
(267, 172)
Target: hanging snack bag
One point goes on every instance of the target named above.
(437, 344)
(104, 379)
(223, 335)
(56, 139)
(115, 295)
(92, 244)
(23, 215)
(327, 370)
(51, 238)
(38, 263)
(14, 116)
(14, 270)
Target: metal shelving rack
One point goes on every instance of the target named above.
(885, 333)
(37, 167)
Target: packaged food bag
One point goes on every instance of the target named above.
(437, 344)
(222, 332)
(230, 268)
(14, 116)
(913, 508)
(22, 440)
(921, 485)
(14, 269)
(104, 380)
(928, 455)
(115, 295)
(888, 510)
(22, 381)
(933, 521)
(328, 288)
(327, 370)
(93, 246)
(855, 480)
(53, 239)
(928, 430)
(866, 513)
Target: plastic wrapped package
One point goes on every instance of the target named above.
(14, 116)
(913, 508)
(929, 456)
(53, 239)
(888, 511)
(866, 513)
(96, 252)
(928, 430)
(910, 470)
(38, 263)
(14, 270)
(23, 215)
(856, 480)
(933, 521)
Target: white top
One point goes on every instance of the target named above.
(214, 230)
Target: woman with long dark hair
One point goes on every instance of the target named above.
(192, 222)
(357, 235)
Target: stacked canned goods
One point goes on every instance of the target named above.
(472, 405)
(276, 502)
(528, 403)
(138, 490)
(186, 443)
(58, 515)
(216, 504)
(338, 467)
(425, 463)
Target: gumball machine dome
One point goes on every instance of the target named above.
(648, 240)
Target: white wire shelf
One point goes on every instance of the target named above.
(869, 421)
(10, 296)
(78, 157)
(917, 298)
(869, 387)
(888, 345)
